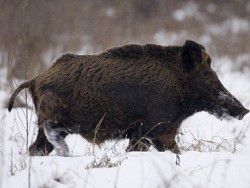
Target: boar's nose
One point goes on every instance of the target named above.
(243, 113)
(232, 105)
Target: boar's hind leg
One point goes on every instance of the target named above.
(138, 145)
(41, 146)
(166, 141)
(137, 141)
(55, 134)
(161, 146)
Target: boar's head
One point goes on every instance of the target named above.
(205, 90)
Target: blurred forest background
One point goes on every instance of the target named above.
(35, 33)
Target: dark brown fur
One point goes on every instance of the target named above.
(135, 86)
(51, 107)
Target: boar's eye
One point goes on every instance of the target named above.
(206, 73)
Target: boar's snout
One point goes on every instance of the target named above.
(231, 106)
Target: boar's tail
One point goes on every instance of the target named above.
(21, 87)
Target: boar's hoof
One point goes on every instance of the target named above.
(138, 145)
(176, 150)
(34, 150)
(172, 146)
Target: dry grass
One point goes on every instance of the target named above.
(216, 143)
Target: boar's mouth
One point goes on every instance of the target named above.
(228, 106)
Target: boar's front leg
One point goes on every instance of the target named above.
(41, 146)
(165, 140)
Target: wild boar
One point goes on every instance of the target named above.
(142, 93)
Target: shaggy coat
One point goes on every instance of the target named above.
(135, 91)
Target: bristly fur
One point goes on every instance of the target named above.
(136, 51)
(144, 91)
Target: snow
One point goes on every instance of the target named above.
(187, 11)
(233, 25)
(110, 12)
(169, 38)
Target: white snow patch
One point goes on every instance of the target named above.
(234, 25)
(163, 37)
(110, 12)
(187, 11)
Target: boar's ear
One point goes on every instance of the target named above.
(191, 54)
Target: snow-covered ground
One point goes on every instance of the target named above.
(215, 153)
